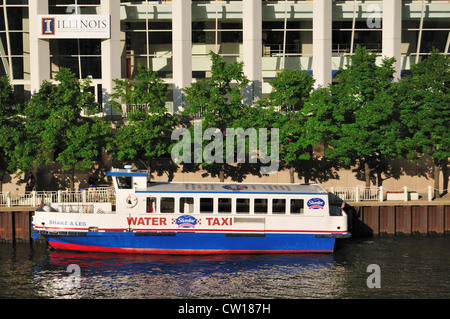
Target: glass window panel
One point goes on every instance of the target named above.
(242, 205)
(124, 182)
(136, 41)
(206, 205)
(224, 205)
(151, 205)
(16, 39)
(66, 62)
(167, 205)
(90, 47)
(297, 206)
(260, 206)
(278, 206)
(91, 67)
(372, 40)
(433, 39)
(186, 205)
(18, 68)
(15, 17)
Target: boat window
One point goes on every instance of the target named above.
(186, 205)
(242, 205)
(224, 205)
(279, 206)
(297, 206)
(124, 182)
(167, 205)
(260, 205)
(206, 205)
(151, 204)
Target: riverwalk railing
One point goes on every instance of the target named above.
(380, 194)
(106, 194)
(35, 198)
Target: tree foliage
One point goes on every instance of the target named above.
(57, 129)
(11, 132)
(283, 109)
(219, 101)
(423, 99)
(146, 136)
(357, 117)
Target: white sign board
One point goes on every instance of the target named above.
(74, 26)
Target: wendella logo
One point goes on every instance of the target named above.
(186, 221)
(316, 203)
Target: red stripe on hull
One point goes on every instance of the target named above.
(65, 246)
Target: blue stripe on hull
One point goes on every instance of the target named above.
(199, 241)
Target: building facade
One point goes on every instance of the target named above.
(107, 39)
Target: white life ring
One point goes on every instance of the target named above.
(131, 201)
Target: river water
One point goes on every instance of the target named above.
(405, 268)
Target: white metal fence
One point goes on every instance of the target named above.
(360, 194)
(106, 194)
(35, 198)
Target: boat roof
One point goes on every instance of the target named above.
(244, 188)
(127, 172)
(216, 187)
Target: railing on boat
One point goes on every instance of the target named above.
(35, 198)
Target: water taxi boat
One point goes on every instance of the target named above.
(195, 218)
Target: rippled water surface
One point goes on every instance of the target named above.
(410, 267)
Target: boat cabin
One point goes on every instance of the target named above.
(135, 195)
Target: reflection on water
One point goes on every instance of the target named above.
(148, 276)
(410, 268)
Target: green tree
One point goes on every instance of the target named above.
(146, 136)
(219, 101)
(357, 117)
(424, 103)
(283, 109)
(11, 128)
(57, 129)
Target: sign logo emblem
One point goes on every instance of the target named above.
(186, 221)
(48, 26)
(316, 203)
(235, 187)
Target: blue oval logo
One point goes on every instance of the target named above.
(235, 188)
(316, 203)
(186, 221)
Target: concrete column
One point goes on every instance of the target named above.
(39, 49)
(392, 32)
(181, 51)
(322, 30)
(252, 48)
(111, 54)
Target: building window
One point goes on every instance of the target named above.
(14, 40)
(356, 23)
(147, 32)
(81, 56)
(216, 26)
